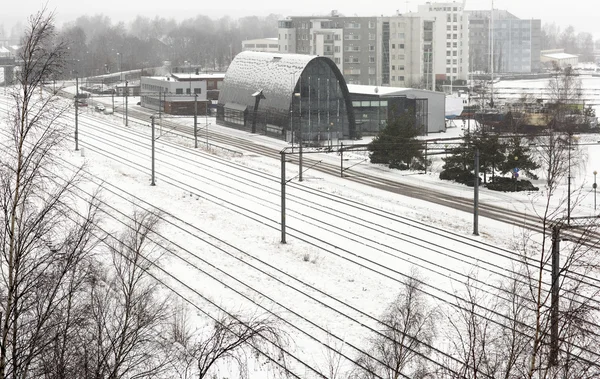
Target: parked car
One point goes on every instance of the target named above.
(82, 103)
(108, 111)
(100, 108)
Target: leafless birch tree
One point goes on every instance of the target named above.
(45, 247)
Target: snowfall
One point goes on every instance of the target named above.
(349, 247)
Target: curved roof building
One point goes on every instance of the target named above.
(275, 94)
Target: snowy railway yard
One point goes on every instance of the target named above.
(349, 251)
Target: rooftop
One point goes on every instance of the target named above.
(559, 56)
(386, 91)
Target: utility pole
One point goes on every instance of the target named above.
(476, 196)
(283, 197)
(196, 120)
(76, 113)
(126, 97)
(554, 295)
(569, 186)
(152, 183)
(594, 186)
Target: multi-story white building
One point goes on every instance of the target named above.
(450, 44)
(405, 59)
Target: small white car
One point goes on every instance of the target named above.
(100, 107)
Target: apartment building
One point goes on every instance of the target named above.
(351, 42)
(449, 49)
(405, 45)
(383, 51)
(516, 42)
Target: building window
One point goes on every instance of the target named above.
(371, 37)
(371, 59)
(197, 90)
(401, 78)
(371, 24)
(179, 91)
(393, 46)
(371, 70)
(400, 68)
(371, 47)
(188, 91)
(401, 46)
(393, 68)
(337, 60)
(336, 49)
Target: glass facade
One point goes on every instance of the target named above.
(285, 96)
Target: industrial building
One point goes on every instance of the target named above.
(375, 106)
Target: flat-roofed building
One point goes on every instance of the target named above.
(267, 45)
(181, 93)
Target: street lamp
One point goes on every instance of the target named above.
(120, 66)
(594, 187)
(299, 96)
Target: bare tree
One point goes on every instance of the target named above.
(332, 352)
(408, 334)
(127, 312)
(232, 340)
(472, 334)
(45, 246)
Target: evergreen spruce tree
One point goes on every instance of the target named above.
(519, 156)
(491, 152)
(397, 145)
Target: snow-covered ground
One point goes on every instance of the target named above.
(349, 247)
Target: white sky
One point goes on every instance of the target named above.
(212, 192)
(582, 14)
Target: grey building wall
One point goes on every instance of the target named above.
(354, 37)
(516, 43)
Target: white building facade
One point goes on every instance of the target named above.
(450, 39)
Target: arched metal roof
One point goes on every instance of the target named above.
(277, 76)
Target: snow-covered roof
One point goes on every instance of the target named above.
(4, 50)
(276, 74)
(182, 76)
(390, 91)
(560, 56)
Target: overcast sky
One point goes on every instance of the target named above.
(582, 14)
